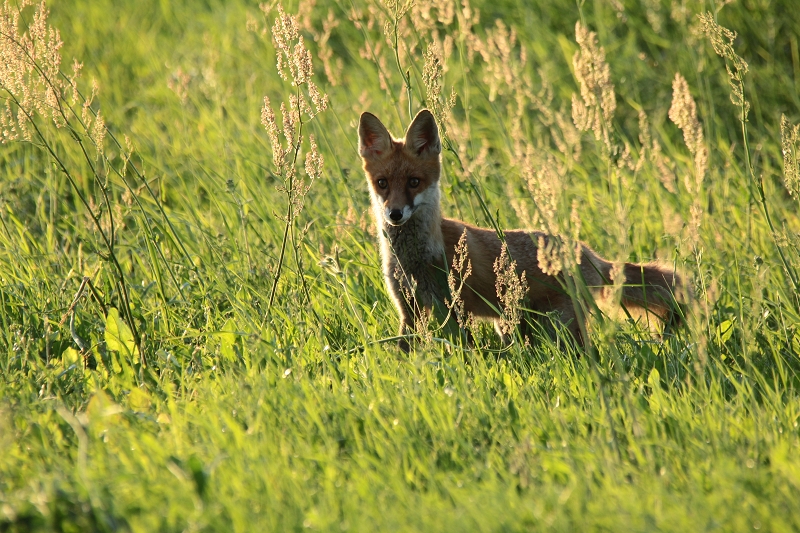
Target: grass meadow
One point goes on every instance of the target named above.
(195, 331)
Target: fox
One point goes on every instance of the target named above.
(417, 243)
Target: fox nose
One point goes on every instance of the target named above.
(396, 215)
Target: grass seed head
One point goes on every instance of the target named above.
(595, 107)
(284, 32)
(790, 135)
(548, 256)
(269, 123)
(178, 83)
(314, 160)
(504, 58)
(683, 112)
(511, 290)
(289, 118)
(651, 149)
(722, 41)
(98, 132)
(333, 68)
(432, 74)
(30, 71)
(456, 279)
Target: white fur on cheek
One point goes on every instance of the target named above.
(429, 195)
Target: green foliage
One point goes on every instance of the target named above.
(166, 394)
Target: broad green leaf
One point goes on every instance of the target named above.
(654, 379)
(70, 356)
(139, 400)
(655, 399)
(724, 331)
(118, 335)
(228, 340)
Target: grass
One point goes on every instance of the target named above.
(229, 414)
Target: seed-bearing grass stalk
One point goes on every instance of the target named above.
(790, 135)
(294, 65)
(432, 75)
(88, 124)
(561, 254)
(420, 423)
(722, 41)
(397, 9)
(683, 112)
(594, 109)
(33, 82)
(289, 220)
(376, 60)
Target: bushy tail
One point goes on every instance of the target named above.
(656, 289)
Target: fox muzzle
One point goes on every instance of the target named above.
(397, 217)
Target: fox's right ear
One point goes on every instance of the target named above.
(423, 135)
(374, 140)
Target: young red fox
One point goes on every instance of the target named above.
(403, 177)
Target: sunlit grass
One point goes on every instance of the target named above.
(233, 415)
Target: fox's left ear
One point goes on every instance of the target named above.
(422, 136)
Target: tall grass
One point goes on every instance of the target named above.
(193, 340)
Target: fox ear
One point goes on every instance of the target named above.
(422, 136)
(374, 140)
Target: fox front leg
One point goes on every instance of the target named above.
(405, 329)
(407, 307)
(407, 322)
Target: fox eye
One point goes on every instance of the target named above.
(413, 182)
(382, 183)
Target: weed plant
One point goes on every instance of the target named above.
(195, 332)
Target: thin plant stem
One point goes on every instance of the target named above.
(289, 222)
(759, 184)
(111, 256)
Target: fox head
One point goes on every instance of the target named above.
(403, 174)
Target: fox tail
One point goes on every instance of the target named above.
(655, 289)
